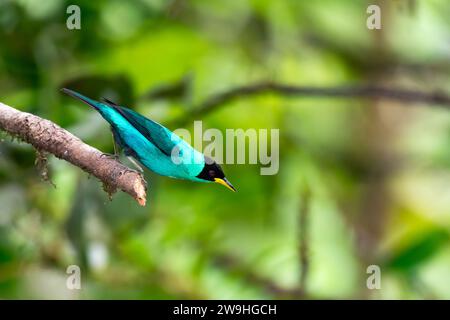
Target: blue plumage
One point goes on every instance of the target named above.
(155, 146)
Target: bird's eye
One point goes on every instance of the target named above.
(212, 173)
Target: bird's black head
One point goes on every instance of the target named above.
(213, 172)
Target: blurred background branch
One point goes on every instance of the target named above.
(356, 91)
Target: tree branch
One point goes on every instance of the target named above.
(369, 91)
(46, 136)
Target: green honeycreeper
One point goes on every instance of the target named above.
(155, 146)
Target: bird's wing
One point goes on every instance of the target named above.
(161, 137)
(121, 144)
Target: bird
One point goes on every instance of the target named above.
(149, 143)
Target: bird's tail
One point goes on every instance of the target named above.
(92, 103)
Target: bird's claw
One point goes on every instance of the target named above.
(110, 156)
(132, 171)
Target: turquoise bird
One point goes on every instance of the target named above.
(155, 146)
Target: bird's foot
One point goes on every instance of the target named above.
(110, 156)
(132, 171)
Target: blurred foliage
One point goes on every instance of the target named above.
(378, 171)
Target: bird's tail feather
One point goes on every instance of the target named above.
(79, 96)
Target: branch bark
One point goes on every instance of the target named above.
(45, 135)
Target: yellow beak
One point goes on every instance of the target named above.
(225, 183)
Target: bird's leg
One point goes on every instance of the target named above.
(138, 167)
(114, 156)
(116, 148)
(119, 144)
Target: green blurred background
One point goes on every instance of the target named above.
(377, 172)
